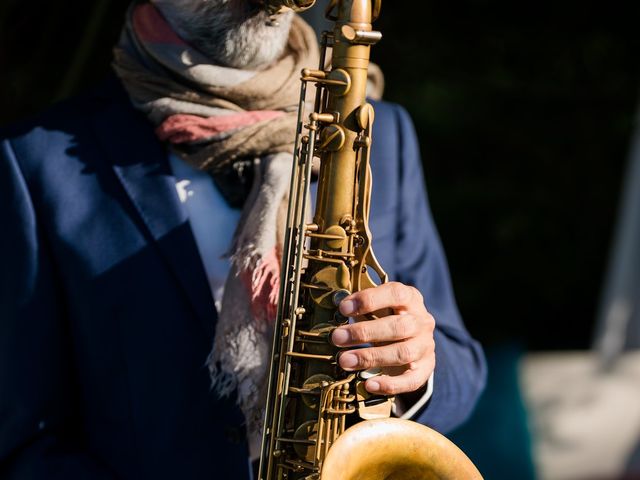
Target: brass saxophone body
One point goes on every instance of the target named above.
(320, 423)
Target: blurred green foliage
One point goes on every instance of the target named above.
(524, 113)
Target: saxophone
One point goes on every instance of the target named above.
(320, 422)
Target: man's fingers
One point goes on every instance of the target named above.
(394, 295)
(387, 329)
(409, 381)
(395, 354)
(404, 342)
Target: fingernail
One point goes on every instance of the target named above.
(348, 307)
(348, 360)
(341, 336)
(372, 386)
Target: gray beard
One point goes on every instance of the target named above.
(232, 33)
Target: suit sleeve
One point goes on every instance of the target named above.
(39, 427)
(460, 372)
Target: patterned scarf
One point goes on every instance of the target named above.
(212, 116)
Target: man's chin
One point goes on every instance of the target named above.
(234, 33)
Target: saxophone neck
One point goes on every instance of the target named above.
(357, 12)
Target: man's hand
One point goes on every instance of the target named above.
(403, 342)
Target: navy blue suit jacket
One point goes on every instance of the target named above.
(106, 317)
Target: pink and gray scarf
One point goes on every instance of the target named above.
(212, 116)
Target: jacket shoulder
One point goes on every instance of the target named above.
(61, 125)
(389, 113)
(393, 126)
(74, 136)
(70, 112)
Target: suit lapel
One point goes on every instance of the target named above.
(142, 166)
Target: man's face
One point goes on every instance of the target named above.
(235, 33)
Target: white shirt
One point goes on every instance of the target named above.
(213, 223)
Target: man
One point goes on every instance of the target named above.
(118, 206)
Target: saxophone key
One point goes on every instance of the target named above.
(339, 296)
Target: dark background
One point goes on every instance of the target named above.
(524, 112)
